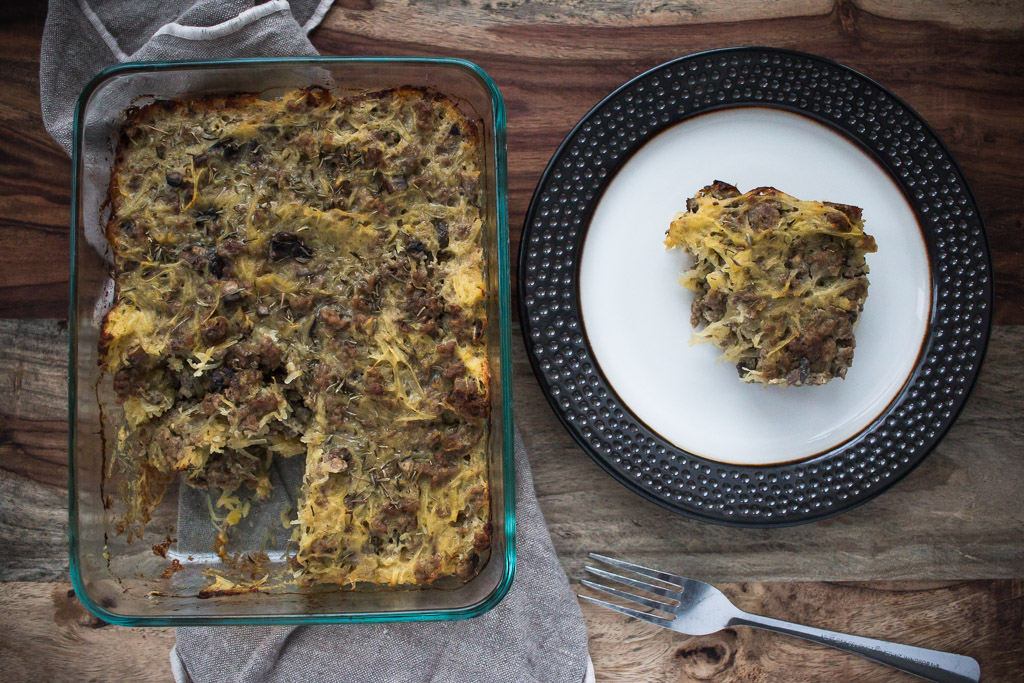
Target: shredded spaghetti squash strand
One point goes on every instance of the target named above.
(780, 283)
(303, 276)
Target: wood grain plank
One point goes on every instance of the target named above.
(35, 178)
(33, 369)
(33, 530)
(958, 516)
(962, 13)
(981, 619)
(33, 414)
(48, 635)
(956, 62)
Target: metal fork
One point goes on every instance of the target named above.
(698, 608)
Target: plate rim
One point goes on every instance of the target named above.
(758, 471)
(920, 345)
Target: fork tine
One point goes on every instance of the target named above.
(639, 599)
(630, 612)
(680, 581)
(635, 583)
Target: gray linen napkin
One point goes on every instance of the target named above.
(536, 633)
(81, 38)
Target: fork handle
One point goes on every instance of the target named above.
(933, 665)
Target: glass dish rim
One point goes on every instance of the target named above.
(505, 352)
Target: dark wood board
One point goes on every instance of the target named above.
(48, 635)
(35, 178)
(959, 516)
(942, 532)
(958, 64)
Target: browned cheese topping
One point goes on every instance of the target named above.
(780, 283)
(303, 276)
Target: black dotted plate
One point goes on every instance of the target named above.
(893, 134)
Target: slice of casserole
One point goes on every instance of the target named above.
(780, 283)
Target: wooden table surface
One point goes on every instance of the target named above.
(938, 561)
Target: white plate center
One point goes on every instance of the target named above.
(637, 315)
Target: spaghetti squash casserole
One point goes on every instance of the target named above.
(780, 283)
(303, 277)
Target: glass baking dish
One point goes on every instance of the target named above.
(129, 583)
